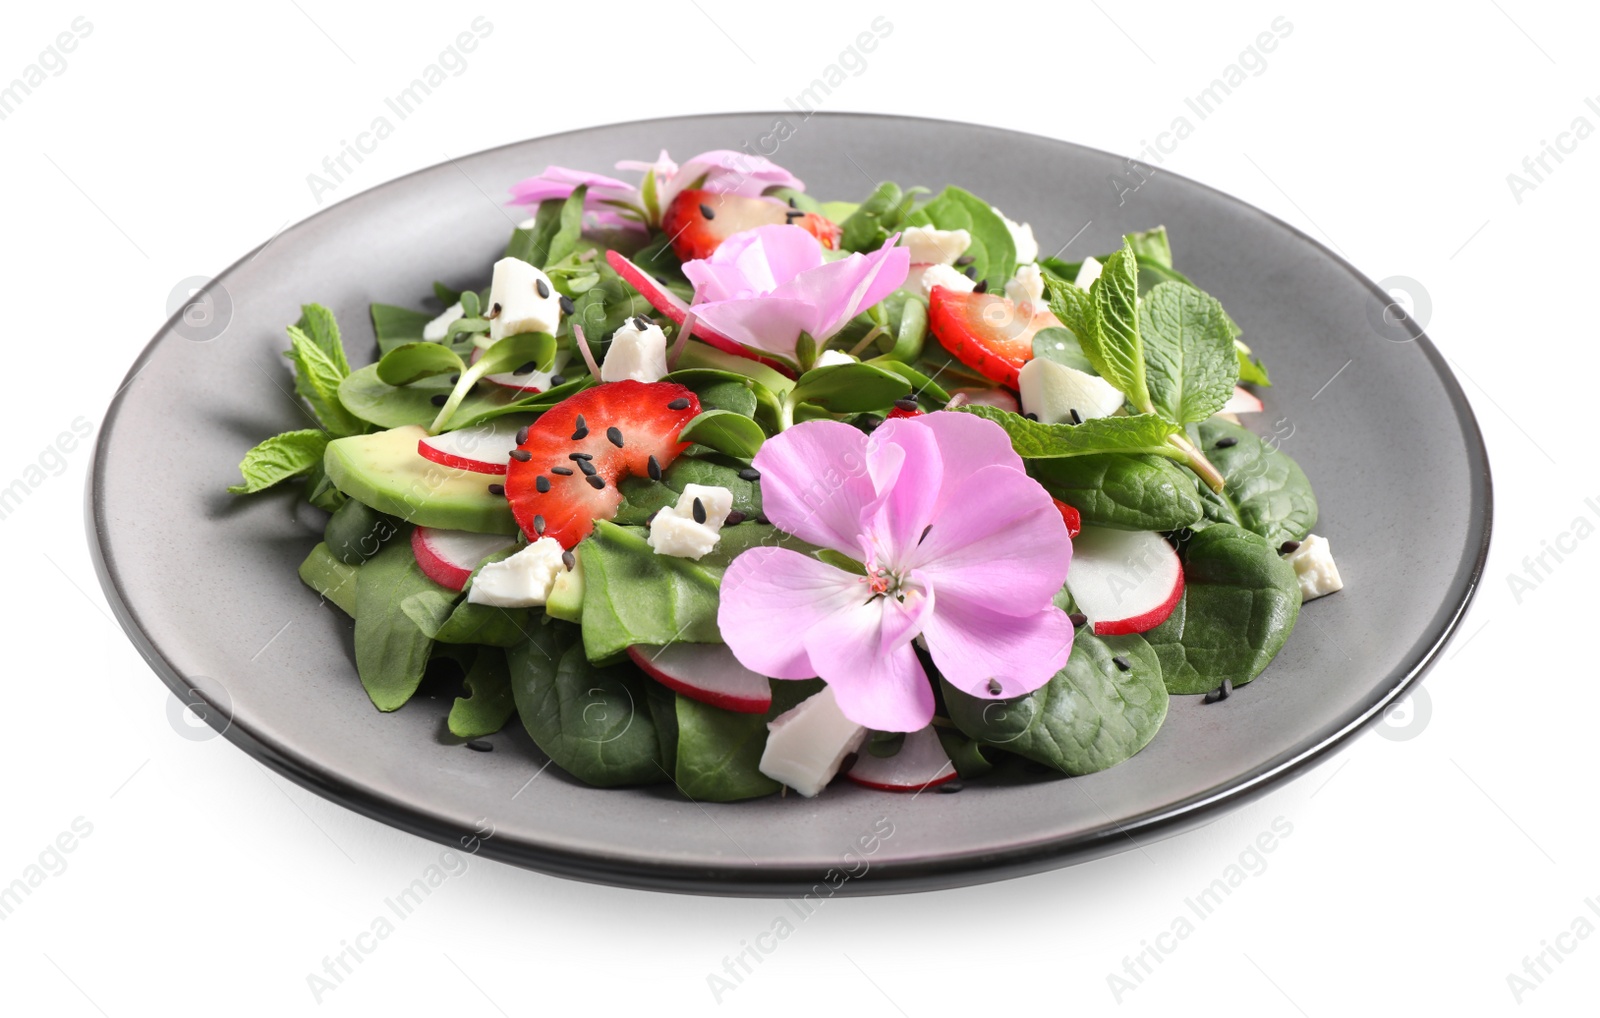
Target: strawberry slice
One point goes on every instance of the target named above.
(579, 450)
(985, 332)
(698, 221)
(1070, 516)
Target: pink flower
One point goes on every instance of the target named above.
(614, 202)
(765, 286)
(960, 546)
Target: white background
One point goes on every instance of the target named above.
(1422, 867)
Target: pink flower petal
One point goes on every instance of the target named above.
(971, 643)
(843, 289)
(815, 485)
(771, 598)
(996, 539)
(767, 324)
(909, 495)
(968, 443)
(560, 182)
(864, 653)
(730, 172)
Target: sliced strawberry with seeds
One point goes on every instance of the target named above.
(579, 450)
(1070, 516)
(985, 331)
(698, 221)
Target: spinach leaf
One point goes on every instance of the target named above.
(1190, 362)
(488, 704)
(726, 390)
(593, 722)
(1060, 345)
(719, 753)
(412, 362)
(993, 252)
(1265, 491)
(663, 704)
(964, 752)
(1240, 600)
(279, 458)
(1251, 370)
(396, 326)
(1151, 247)
(700, 355)
(356, 532)
(1033, 440)
(391, 652)
(725, 431)
(373, 400)
(1090, 715)
(556, 228)
(642, 497)
(332, 579)
(1122, 492)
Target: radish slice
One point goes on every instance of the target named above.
(1243, 401)
(707, 672)
(1124, 581)
(991, 397)
(448, 557)
(533, 381)
(671, 305)
(921, 763)
(483, 449)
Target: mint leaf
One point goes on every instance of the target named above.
(1190, 363)
(318, 370)
(1113, 345)
(1139, 433)
(318, 322)
(279, 458)
(1072, 306)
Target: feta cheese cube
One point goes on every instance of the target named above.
(1021, 238)
(935, 247)
(521, 581)
(639, 354)
(806, 745)
(828, 358)
(1026, 289)
(1088, 272)
(1314, 568)
(528, 303)
(436, 330)
(675, 531)
(947, 277)
(1052, 391)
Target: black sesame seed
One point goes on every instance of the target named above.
(497, 489)
(480, 746)
(542, 483)
(749, 474)
(580, 434)
(521, 455)
(563, 471)
(651, 519)
(586, 467)
(705, 210)
(654, 468)
(579, 456)
(908, 404)
(558, 379)
(951, 786)
(995, 687)
(1076, 417)
(1031, 416)
(681, 403)
(440, 400)
(699, 511)
(982, 287)
(1122, 663)
(596, 483)
(641, 323)
(1077, 619)
(924, 536)
(1222, 692)
(522, 434)
(762, 518)
(567, 307)
(538, 525)
(614, 436)
(455, 378)
(542, 287)
(791, 201)
(580, 423)
(1288, 547)
(970, 272)
(1228, 442)
(527, 369)
(494, 312)
(734, 516)
(569, 560)
(793, 214)
(964, 260)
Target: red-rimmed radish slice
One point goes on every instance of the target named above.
(483, 448)
(990, 397)
(448, 557)
(1243, 401)
(921, 763)
(674, 307)
(1124, 581)
(707, 672)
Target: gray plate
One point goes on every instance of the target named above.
(206, 588)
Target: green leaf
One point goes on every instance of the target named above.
(333, 580)
(1151, 246)
(593, 722)
(1190, 362)
(1060, 345)
(993, 252)
(921, 385)
(728, 390)
(1265, 491)
(871, 223)
(279, 458)
(1240, 601)
(537, 348)
(444, 294)
(642, 497)
(412, 362)
(1122, 492)
(488, 704)
(850, 388)
(318, 323)
(1251, 370)
(719, 753)
(317, 374)
(700, 355)
(471, 305)
(569, 227)
(725, 431)
(356, 532)
(1074, 308)
(1138, 433)
(538, 244)
(1090, 715)
(368, 397)
(391, 651)
(396, 325)
(1113, 345)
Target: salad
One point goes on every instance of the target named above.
(709, 482)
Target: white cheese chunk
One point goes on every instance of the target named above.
(436, 330)
(1026, 289)
(828, 358)
(516, 288)
(947, 277)
(675, 531)
(1313, 566)
(521, 581)
(1053, 391)
(806, 745)
(635, 353)
(1088, 272)
(935, 247)
(1021, 238)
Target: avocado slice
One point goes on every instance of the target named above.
(566, 595)
(385, 471)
